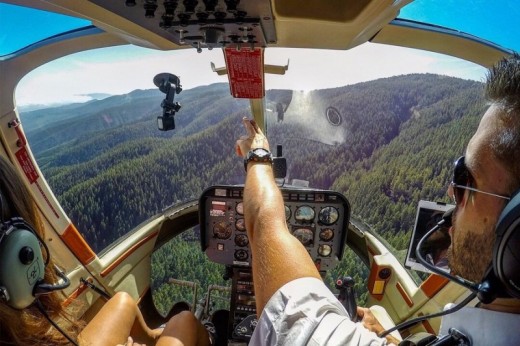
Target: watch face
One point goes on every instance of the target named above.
(261, 152)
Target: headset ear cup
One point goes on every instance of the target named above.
(506, 252)
(21, 268)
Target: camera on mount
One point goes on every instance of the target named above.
(169, 84)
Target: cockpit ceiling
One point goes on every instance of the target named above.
(170, 24)
(201, 24)
(218, 23)
(208, 24)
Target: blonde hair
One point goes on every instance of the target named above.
(29, 326)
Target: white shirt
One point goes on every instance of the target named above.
(484, 327)
(305, 312)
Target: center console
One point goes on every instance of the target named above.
(317, 218)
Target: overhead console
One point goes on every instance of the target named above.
(201, 23)
(318, 218)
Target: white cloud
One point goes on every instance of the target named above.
(120, 70)
(316, 69)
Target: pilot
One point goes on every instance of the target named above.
(297, 308)
(119, 318)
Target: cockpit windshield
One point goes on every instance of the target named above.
(37, 25)
(340, 127)
(489, 20)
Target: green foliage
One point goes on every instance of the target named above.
(175, 260)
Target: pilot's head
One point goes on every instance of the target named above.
(491, 165)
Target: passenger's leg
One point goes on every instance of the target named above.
(184, 329)
(117, 319)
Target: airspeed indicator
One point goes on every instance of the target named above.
(304, 213)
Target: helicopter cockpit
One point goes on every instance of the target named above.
(121, 118)
(318, 219)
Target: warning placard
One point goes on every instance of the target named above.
(245, 72)
(27, 165)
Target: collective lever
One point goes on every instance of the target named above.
(347, 296)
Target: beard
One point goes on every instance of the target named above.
(470, 253)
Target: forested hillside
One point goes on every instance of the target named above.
(394, 143)
(417, 164)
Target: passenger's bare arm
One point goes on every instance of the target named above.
(278, 257)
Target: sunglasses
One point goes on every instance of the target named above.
(462, 181)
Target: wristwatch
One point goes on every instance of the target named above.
(258, 155)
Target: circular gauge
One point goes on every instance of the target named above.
(241, 240)
(287, 213)
(222, 230)
(241, 255)
(240, 208)
(304, 235)
(304, 214)
(326, 234)
(324, 250)
(240, 225)
(328, 215)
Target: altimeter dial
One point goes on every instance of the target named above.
(304, 235)
(222, 230)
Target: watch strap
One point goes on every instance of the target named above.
(258, 155)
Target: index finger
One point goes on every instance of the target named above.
(256, 127)
(249, 127)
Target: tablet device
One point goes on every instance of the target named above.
(434, 248)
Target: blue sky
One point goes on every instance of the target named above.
(493, 20)
(120, 70)
(36, 26)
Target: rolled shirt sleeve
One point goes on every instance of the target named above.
(305, 312)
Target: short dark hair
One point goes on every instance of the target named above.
(503, 91)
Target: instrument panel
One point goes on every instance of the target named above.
(317, 218)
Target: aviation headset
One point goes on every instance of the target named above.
(506, 251)
(22, 267)
(502, 278)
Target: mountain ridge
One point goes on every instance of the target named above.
(111, 178)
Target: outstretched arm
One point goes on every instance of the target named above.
(277, 256)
